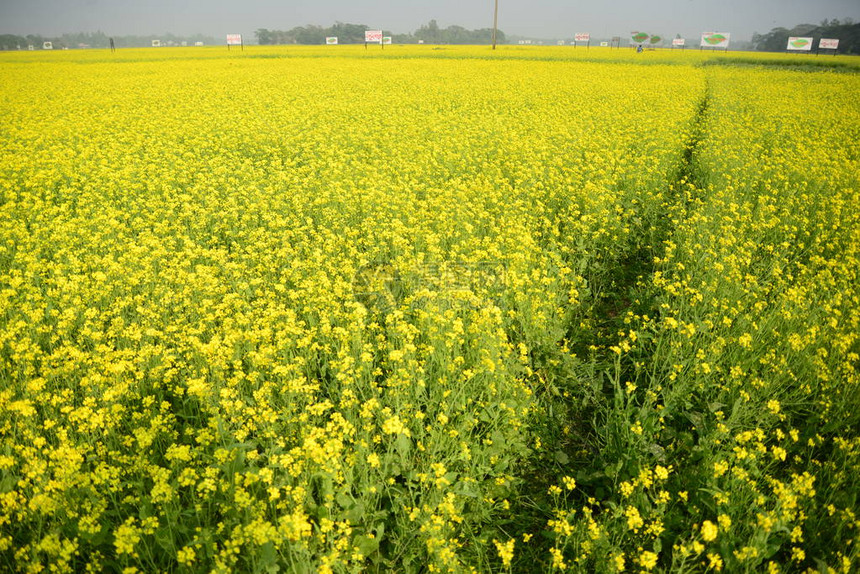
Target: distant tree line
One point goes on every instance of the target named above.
(846, 31)
(98, 40)
(430, 33)
(433, 34)
(346, 34)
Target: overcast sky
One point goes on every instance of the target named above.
(535, 18)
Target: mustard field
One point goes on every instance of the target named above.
(429, 309)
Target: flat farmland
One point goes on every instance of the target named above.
(429, 309)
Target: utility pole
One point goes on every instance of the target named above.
(495, 23)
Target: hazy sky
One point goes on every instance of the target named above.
(537, 18)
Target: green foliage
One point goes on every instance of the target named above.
(847, 33)
(100, 40)
(313, 35)
(354, 34)
(431, 33)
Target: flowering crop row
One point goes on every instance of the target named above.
(732, 442)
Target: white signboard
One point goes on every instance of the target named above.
(373, 36)
(715, 39)
(331, 40)
(47, 46)
(386, 40)
(828, 44)
(582, 37)
(638, 37)
(678, 42)
(800, 44)
(234, 39)
(156, 43)
(604, 44)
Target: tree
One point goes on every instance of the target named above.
(773, 41)
(348, 33)
(264, 37)
(12, 42)
(309, 35)
(432, 34)
(776, 40)
(429, 33)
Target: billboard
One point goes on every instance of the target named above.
(331, 40)
(156, 43)
(715, 39)
(386, 40)
(373, 36)
(655, 39)
(828, 44)
(234, 39)
(582, 37)
(678, 42)
(802, 44)
(639, 37)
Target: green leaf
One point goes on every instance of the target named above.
(356, 513)
(366, 545)
(344, 500)
(402, 444)
(269, 557)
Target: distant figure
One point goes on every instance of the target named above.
(639, 49)
(112, 47)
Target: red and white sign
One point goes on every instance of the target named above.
(828, 44)
(234, 39)
(582, 37)
(373, 36)
(678, 42)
